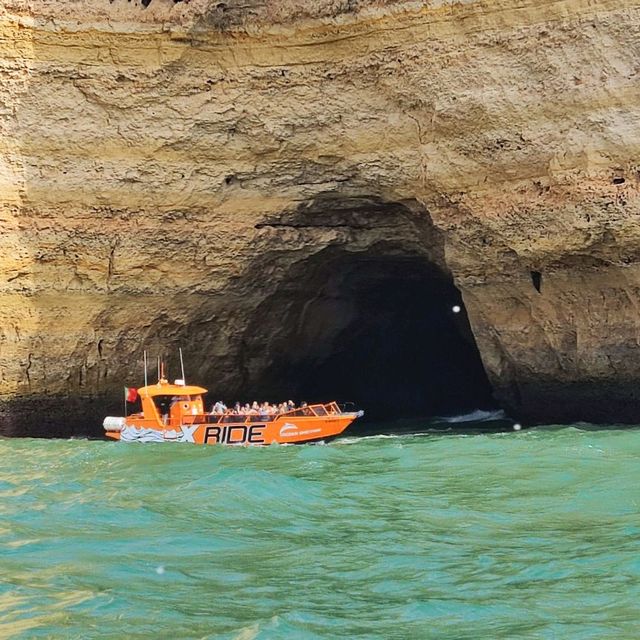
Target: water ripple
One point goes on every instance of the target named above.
(526, 535)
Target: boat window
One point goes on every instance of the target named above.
(163, 403)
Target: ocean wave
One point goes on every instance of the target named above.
(479, 415)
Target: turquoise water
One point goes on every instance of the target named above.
(534, 534)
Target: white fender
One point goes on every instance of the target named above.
(111, 423)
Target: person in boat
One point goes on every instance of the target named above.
(164, 404)
(219, 408)
(263, 410)
(255, 409)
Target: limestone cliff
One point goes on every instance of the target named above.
(172, 173)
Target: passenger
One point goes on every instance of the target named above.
(219, 408)
(164, 405)
(237, 408)
(291, 404)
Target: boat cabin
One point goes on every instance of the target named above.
(168, 405)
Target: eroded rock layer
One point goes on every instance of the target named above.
(167, 172)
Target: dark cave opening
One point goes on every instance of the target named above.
(378, 330)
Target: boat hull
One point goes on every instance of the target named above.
(229, 431)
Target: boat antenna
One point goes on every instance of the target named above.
(158, 369)
(182, 365)
(145, 367)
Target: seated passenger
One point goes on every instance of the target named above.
(219, 408)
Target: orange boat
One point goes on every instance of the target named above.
(175, 413)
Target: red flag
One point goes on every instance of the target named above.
(130, 394)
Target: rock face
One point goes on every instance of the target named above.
(236, 177)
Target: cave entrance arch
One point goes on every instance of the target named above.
(377, 328)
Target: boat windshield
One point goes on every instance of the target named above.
(163, 403)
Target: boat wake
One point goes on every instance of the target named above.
(477, 421)
(379, 436)
(474, 416)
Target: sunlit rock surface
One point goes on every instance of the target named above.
(171, 174)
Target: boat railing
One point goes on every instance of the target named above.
(328, 409)
(302, 411)
(313, 410)
(203, 418)
(242, 418)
